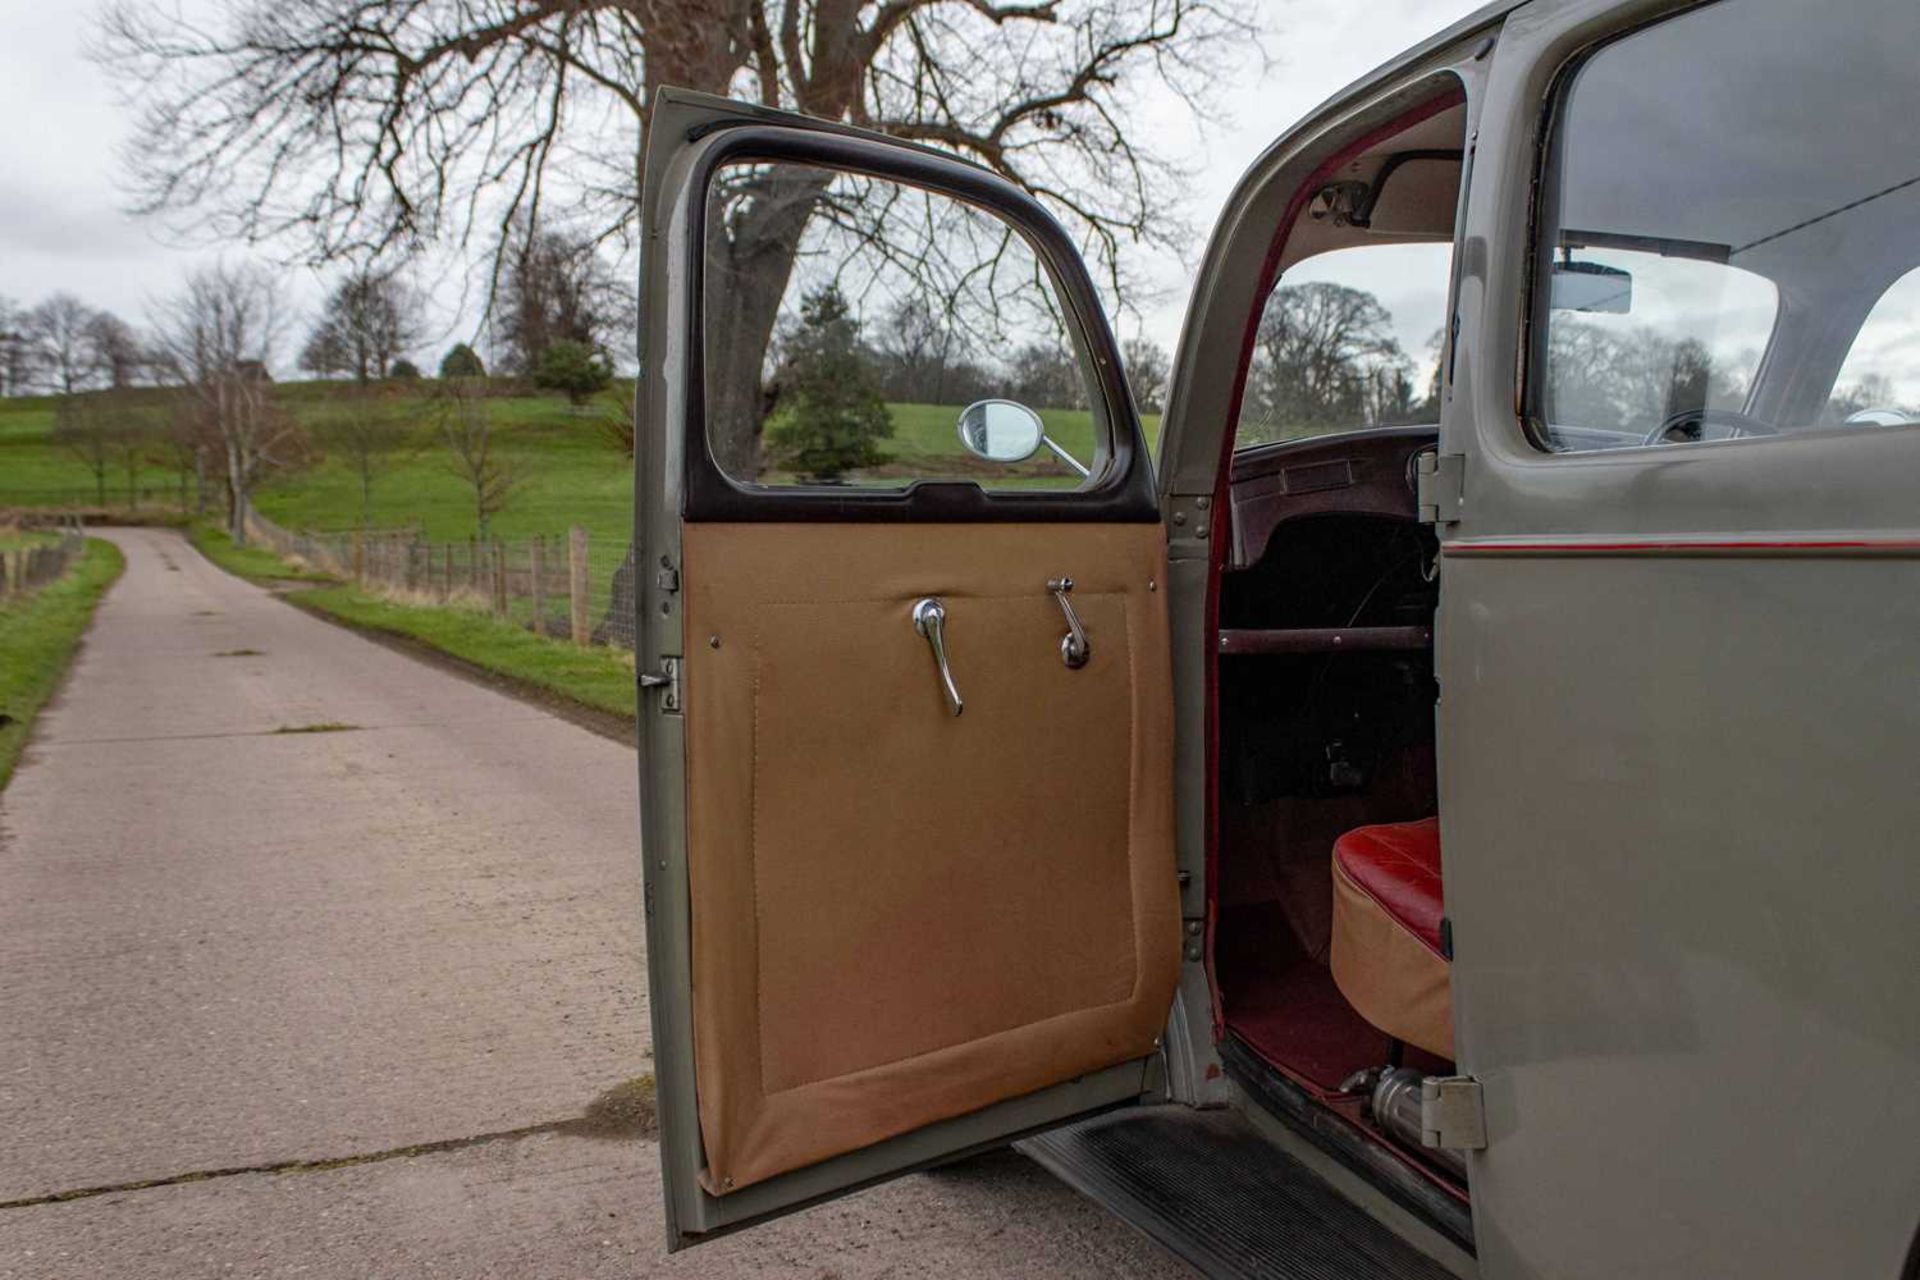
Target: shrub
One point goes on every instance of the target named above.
(573, 368)
(461, 362)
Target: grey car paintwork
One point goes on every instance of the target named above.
(1678, 807)
(1677, 816)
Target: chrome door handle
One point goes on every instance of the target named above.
(1075, 648)
(930, 620)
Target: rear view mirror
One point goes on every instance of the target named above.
(1008, 431)
(1001, 430)
(1589, 286)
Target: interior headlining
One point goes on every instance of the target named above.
(1427, 217)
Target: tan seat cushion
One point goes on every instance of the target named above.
(1387, 907)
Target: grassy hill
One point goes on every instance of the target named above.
(574, 475)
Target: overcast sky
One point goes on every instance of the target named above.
(62, 224)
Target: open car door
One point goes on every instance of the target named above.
(907, 726)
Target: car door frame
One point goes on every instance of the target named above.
(661, 470)
(1237, 272)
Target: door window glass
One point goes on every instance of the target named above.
(1723, 211)
(1348, 339)
(901, 307)
(1879, 384)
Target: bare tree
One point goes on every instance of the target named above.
(474, 454)
(369, 321)
(558, 289)
(1324, 355)
(118, 356)
(369, 439)
(915, 348)
(58, 343)
(15, 367)
(1147, 371)
(83, 428)
(366, 128)
(217, 338)
(191, 446)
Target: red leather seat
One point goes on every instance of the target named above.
(1387, 955)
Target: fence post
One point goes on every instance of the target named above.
(577, 584)
(446, 572)
(499, 579)
(539, 554)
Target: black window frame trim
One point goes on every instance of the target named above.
(1124, 491)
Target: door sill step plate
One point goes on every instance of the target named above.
(1209, 1188)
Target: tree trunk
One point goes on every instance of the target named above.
(239, 495)
(749, 262)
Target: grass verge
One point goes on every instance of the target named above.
(38, 637)
(600, 679)
(256, 564)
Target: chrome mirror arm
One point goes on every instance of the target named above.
(1066, 457)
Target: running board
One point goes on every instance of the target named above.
(1209, 1188)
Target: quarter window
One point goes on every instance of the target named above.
(1880, 381)
(1722, 210)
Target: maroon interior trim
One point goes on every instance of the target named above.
(1325, 640)
(1669, 545)
(1219, 533)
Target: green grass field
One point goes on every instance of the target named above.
(572, 474)
(38, 637)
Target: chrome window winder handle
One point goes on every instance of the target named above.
(1075, 648)
(930, 620)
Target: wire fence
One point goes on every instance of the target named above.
(567, 586)
(44, 556)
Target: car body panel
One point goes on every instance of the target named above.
(1677, 709)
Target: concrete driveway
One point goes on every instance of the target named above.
(272, 895)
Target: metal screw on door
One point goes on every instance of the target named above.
(930, 620)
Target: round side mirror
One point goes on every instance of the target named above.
(1001, 430)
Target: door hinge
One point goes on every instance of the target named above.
(1452, 1113)
(667, 681)
(1439, 486)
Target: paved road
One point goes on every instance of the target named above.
(225, 945)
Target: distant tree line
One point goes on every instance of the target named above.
(917, 356)
(190, 392)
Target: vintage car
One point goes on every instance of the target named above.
(1484, 846)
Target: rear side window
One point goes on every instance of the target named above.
(1722, 209)
(1880, 381)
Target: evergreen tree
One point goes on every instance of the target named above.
(461, 362)
(830, 416)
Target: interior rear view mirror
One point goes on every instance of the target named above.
(1592, 287)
